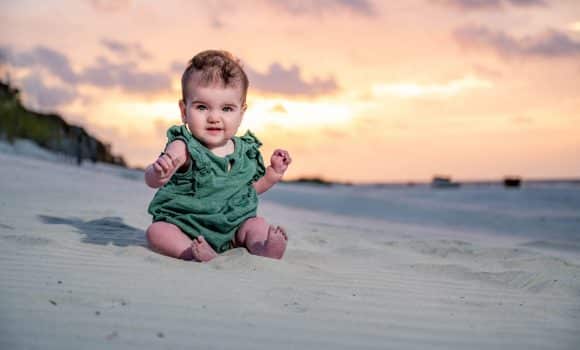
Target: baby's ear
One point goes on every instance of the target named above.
(183, 110)
(244, 107)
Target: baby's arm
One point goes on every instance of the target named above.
(159, 172)
(279, 162)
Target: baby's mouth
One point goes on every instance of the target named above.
(213, 130)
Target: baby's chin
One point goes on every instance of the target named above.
(215, 144)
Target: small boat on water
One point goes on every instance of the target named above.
(512, 182)
(444, 182)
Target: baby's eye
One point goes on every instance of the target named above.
(201, 107)
(227, 109)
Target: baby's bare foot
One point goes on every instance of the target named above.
(276, 243)
(201, 250)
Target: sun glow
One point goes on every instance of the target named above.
(292, 114)
(575, 26)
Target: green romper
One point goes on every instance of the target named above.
(208, 199)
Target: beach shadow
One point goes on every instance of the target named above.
(102, 231)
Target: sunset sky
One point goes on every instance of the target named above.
(356, 90)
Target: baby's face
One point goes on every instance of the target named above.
(213, 113)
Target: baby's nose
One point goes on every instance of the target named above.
(213, 117)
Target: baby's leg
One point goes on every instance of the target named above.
(262, 239)
(168, 239)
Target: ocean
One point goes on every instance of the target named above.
(547, 212)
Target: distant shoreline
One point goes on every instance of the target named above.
(470, 183)
(32, 150)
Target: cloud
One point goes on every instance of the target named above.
(46, 97)
(102, 73)
(468, 5)
(123, 49)
(3, 54)
(125, 76)
(320, 7)
(527, 3)
(549, 44)
(45, 58)
(476, 5)
(288, 82)
(177, 67)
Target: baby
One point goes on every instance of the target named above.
(209, 178)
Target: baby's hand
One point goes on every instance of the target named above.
(160, 171)
(165, 164)
(280, 161)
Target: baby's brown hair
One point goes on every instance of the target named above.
(215, 66)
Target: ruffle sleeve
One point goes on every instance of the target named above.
(180, 132)
(252, 152)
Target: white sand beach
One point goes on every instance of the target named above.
(76, 274)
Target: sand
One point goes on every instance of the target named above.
(76, 274)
